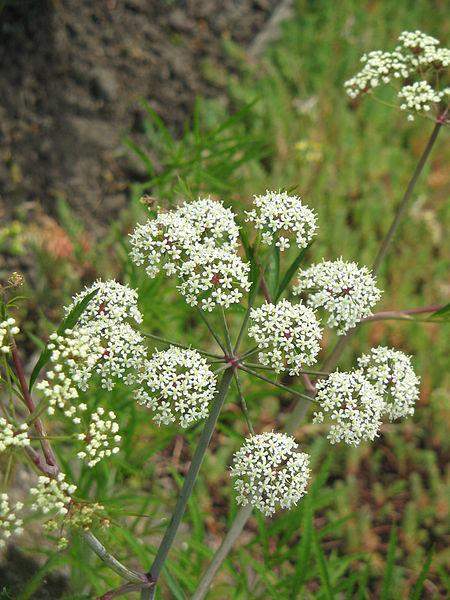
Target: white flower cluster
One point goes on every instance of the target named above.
(379, 67)
(288, 335)
(391, 373)
(213, 277)
(353, 404)
(197, 242)
(10, 523)
(106, 321)
(101, 437)
(102, 342)
(345, 290)
(13, 438)
(178, 386)
(417, 55)
(52, 495)
(113, 303)
(7, 327)
(270, 473)
(420, 96)
(73, 357)
(277, 215)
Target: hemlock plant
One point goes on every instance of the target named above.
(197, 243)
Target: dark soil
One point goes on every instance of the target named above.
(72, 73)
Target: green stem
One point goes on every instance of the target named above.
(212, 332)
(402, 207)
(170, 343)
(274, 383)
(188, 485)
(226, 331)
(244, 405)
(262, 367)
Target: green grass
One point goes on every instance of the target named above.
(374, 524)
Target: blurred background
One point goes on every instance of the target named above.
(104, 101)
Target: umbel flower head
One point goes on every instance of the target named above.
(353, 405)
(112, 304)
(287, 334)
(391, 373)
(197, 243)
(10, 522)
(269, 472)
(417, 64)
(101, 437)
(345, 290)
(178, 386)
(213, 277)
(167, 241)
(279, 216)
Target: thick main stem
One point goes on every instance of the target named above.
(20, 372)
(302, 406)
(188, 485)
(402, 207)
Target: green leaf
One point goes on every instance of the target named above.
(273, 271)
(389, 569)
(323, 568)
(304, 549)
(69, 322)
(418, 587)
(443, 314)
(292, 269)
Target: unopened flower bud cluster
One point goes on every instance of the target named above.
(343, 289)
(417, 63)
(288, 335)
(197, 242)
(10, 523)
(278, 215)
(10, 437)
(178, 385)
(101, 437)
(7, 327)
(269, 472)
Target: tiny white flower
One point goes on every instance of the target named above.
(269, 472)
(11, 437)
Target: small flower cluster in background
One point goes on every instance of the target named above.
(11, 437)
(10, 523)
(101, 437)
(55, 497)
(418, 63)
(7, 328)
